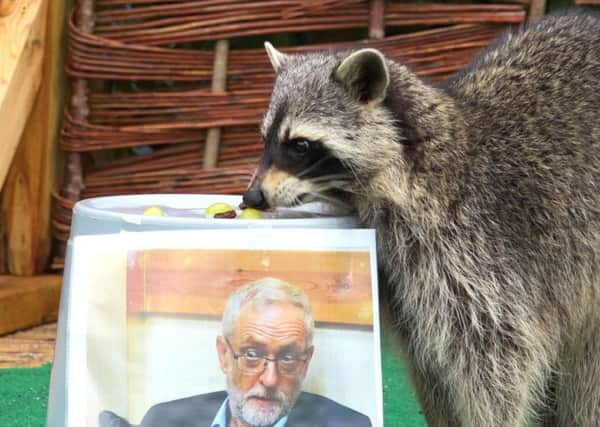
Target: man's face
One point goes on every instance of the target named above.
(276, 330)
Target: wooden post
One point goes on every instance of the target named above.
(377, 19)
(537, 9)
(219, 84)
(26, 197)
(22, 30)
(7, 7)
(72, 181)
(73, 177)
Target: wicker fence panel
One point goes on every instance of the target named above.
(143, 76)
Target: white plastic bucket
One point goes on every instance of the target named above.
(124, 214)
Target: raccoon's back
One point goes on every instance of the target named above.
(555, 58)
(536, 86)
(531, 107)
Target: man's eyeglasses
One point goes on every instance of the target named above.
(252, 362)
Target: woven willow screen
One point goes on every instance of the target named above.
(178, 88)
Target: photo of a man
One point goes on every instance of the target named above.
(264, 352)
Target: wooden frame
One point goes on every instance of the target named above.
(26, 297)
(26, 196)
(22, 32)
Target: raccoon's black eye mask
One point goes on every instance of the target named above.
(298, 148)
(301, 157)
(297, 154)
(308, 159)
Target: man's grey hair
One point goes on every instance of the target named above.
(263, 292)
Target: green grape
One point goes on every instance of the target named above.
(217, 210)
(154, 211)
(251, 213)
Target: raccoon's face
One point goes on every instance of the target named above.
(326, 132)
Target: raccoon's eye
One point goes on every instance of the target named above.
(299, 146)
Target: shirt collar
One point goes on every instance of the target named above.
(220, 419)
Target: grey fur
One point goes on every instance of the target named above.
(485, 196)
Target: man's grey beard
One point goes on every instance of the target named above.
(255, 416)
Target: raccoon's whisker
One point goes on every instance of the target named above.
(332, 184)
(322, 192)
(313, 166)
(339, 177)
(330, 200)
(356, 177)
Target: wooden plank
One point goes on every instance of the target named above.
(338, 284)
(28, 301)
(24, 353)
(33, 347)
(3, 252)
(7, 7)
(21, 43)
(46, 332)
(180, 261)
(26, 198)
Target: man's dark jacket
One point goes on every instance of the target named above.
(310, 410)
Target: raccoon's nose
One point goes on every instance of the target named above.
(255, 199)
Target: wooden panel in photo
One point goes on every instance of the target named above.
(198, 282)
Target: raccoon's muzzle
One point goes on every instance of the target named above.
(255, 198)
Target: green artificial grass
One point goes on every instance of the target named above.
(400, 407)
(24, 395)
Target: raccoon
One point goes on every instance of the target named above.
(485, 194)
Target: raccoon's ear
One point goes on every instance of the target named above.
(365, 75)
(277, 58)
